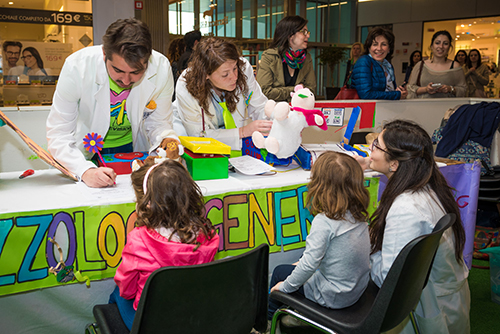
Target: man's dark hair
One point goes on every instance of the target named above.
(11, 43)
(130, 39)
(190, 38)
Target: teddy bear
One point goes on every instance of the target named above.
(288, 122)
(169, 148)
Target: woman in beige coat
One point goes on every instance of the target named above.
(477, 75)
(286, 63)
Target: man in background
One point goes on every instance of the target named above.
(11, 54)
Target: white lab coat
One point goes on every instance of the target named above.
(81, 105)
(188, 111)
(445, 302)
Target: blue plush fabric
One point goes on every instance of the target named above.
(369, 80)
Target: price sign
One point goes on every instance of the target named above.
(18, 15)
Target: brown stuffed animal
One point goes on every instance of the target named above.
(169, 148)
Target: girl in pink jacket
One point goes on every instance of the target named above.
(171, 230)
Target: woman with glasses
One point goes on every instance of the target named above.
(286, 63)
(373, 75)
(415, 198)
(33, 63)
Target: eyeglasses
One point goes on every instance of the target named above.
(376, 145)
(10, 53)
(305, 32)
(28, 57)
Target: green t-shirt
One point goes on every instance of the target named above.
(120, 130)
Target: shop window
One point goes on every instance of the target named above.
(35, 43)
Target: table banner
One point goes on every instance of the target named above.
(92, 238)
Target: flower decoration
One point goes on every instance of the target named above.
(93, 142)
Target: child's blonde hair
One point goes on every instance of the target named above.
(168, 197)
(337, 186)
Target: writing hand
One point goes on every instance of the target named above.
(99, 177)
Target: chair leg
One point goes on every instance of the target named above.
(286, 311)
(414, 322)
(91, 328)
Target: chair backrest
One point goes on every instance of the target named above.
(403, 285)
(224, 296)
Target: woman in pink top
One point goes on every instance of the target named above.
(171, 230)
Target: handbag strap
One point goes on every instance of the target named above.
(420, 73)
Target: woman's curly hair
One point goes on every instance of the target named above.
(208, 56)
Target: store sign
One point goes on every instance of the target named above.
(16, 15)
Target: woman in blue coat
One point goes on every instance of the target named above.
(373, 75)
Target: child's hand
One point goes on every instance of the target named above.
(363, 162)
(276, 287)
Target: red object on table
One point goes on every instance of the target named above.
(27, 173)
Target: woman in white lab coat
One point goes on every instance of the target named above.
(217, 96)
(415, 198)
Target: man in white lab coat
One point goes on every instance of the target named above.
(121, 90)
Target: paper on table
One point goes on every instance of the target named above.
(249, 165)
(121, 190)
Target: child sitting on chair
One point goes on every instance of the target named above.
(171, 230)
(334, 269)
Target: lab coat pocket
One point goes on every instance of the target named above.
(436, 324)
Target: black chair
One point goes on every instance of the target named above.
(224, 296)
(378, 310)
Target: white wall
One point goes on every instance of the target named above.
(105, 12)
(409, 39)
(402, 11)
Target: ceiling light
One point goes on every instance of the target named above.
(11, 3)
(462, 26)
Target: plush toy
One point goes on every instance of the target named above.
(168, 149)
(288, 122)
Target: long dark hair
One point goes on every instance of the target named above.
(469, 62)
(286, 28)
(411, 146)
(412, 63)
(379, 31)
(207, 57)
(172, 200)
(34, 52)
(461, 51)
(439, 33)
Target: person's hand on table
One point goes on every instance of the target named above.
(99, 177)
(262, 126)
(276, 287)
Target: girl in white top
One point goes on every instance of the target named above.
(415, 198)
(217, 96)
